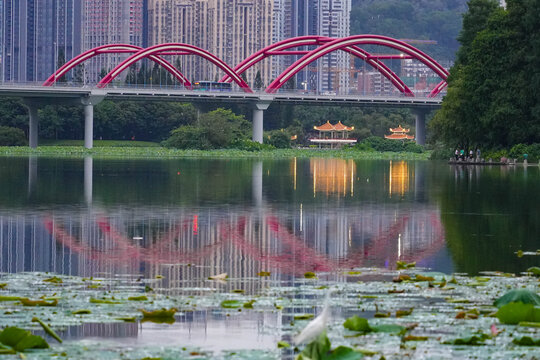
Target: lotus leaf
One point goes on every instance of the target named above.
(401, 265)
(231, 304)
(303, 317)
(3, 285)
(283, 344)
(82, 312)
(526, 341)
(104, 301)
(401, 313)
(138, 298)
(516, 312)
(356, 323)
(469, 339)
(317, 349)
(534, 270)
(414, 338)
(21, 340)
(54, 280)
(263, 273)
(310, 275)
(159, 316)
(28, 302)
(519, 295)
(320, 349)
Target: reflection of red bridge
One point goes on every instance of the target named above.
(290, 253)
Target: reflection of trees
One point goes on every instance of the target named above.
(488, 214)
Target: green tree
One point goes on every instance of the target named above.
(258, 84)
(10, 136)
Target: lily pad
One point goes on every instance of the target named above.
(526, 341)
(356, 323)
(231, 304)
(159, 316)
(310, 275)
(401, 265)
(534, 270)
(28, 302)
(469, 339)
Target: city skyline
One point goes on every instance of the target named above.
(57, 30)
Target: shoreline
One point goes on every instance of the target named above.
(161, 152)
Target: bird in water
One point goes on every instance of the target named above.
(315, 326)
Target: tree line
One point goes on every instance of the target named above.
(493, 100)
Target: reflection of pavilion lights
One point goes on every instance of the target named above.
(294, 173)
(399, 178)
(399, 246)
(331, 176)
(301, 219)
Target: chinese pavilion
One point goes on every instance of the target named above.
(333, 135)
(399, 133)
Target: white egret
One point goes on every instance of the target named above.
(315, 326)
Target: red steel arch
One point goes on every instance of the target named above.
(340, 44)
(280, 48)
(172, 48)
(108, 49)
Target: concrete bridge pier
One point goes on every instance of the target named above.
(420, 125)
(33, 126)
(88, 103)
(258, 117)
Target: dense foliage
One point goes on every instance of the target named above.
(412, 19)
(215, 130)
(492, 99)
(375, 143)
(112, 120)
(10, 136)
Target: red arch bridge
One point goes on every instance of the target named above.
(34, 96)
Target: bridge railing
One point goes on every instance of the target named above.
(178, 88)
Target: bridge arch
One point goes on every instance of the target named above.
(280, 48)
(347, 42)
(108, 49)
(172, 48)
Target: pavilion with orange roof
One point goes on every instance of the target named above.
(399, 133)
(333, 135)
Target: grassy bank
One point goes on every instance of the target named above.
(161, 152)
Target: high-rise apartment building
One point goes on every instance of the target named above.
(36, 36)
(315, 17)
(111, 22)
(230, 29)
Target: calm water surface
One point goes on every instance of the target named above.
(189, 219)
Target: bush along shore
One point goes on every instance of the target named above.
(161, 152)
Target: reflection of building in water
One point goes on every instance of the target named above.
(240, 242)
(333, 176)
(400, 178)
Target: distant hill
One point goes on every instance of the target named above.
(438, 20)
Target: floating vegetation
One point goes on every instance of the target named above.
(372, 318)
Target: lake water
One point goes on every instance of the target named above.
(188, 219)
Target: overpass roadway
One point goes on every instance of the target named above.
(35, 96)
